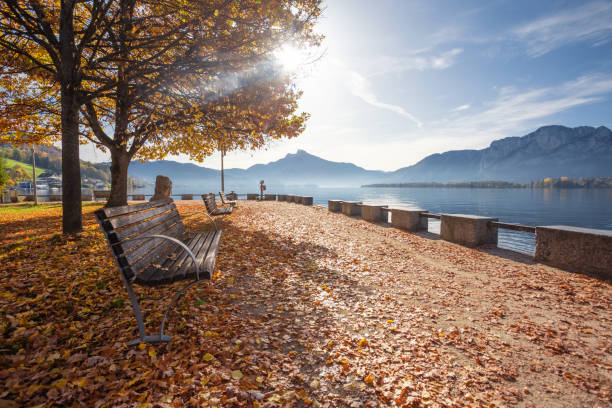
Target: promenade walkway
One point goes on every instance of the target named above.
(309, 308)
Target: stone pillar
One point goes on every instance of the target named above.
(307, 200)
(163, 188)
(351, 208)
(574, 249)
(334, 205)
(186, 196)
(468, 230)
(372, 213)
(409, 220)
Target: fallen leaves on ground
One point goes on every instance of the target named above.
(308, 308)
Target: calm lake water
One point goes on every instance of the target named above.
(589, 208)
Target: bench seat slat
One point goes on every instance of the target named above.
(154, 276)
(150, 245)
(183, 268)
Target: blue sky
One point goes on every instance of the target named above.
(400, 79)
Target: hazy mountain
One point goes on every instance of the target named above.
(551, 151)
(300, 168)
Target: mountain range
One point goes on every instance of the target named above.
(550, 151)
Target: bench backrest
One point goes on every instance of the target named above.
(122, 224)
(209, 202)
(101, 193)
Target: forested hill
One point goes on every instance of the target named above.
(50, 159)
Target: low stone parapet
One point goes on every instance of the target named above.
(575, 249)
(307, 200)
(468, 230)
(282, 197)
(409, 220)
(138, 197)
(252, 196)
(270, 197)
(351, 208)
(186, 196)
(334, 205)
(372, 213)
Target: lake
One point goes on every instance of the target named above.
(589, 208)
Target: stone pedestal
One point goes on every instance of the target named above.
(270, 197)
(582, 250)
(468, 230)
(334, 205)
(372, 213)
(351, 208)
(186, 196)
(307, 200)
(409, 220)
(252, 196)
(163, 188)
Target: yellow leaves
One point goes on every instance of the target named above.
(142, 346)
(80, 382)
(209, 333)
(363, 343)
(152, 353)
(368, 380)
(61, 383)
(259, 379)
(237, 374)
(204, 381)
(208, 357)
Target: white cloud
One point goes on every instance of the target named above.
(361, 88)
(417, 61)
(461, 108)
(514, 111)
(589, 22)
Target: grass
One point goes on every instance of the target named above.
(25, 208)
(10, 163)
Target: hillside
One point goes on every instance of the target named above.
(550, 151)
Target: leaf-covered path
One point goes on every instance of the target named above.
(308, 308)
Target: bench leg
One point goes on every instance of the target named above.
(174, 299)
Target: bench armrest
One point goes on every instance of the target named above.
(176, 241)
(206, 214)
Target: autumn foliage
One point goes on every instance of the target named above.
(307, 308)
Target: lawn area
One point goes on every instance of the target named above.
(10, 163)
(307, 308)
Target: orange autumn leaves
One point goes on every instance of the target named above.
(292, 318)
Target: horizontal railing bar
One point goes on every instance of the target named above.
(514, 227)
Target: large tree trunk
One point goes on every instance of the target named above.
(120, 161)
(70, 104)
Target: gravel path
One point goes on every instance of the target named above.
(367, 315)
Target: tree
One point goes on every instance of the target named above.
(47, 50)
(178, 82)
(4, 177)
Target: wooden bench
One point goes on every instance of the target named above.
(105, 194)
(211, 205)
(225, 201)
(152, 248)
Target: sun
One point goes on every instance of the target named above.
(290, 58)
